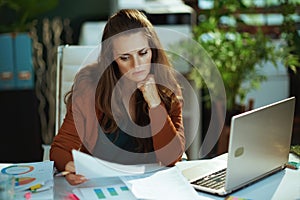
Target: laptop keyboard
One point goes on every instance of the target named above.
(214, 181)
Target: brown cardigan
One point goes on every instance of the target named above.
(86, 123)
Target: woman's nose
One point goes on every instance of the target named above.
(136, 61)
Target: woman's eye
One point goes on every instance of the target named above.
(124, 58)
(143, 52)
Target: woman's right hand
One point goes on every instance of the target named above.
(149, 90)
(72, 178)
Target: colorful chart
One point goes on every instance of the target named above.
(112, 192)
(119, 191)
(23, 180)
(30, 175)
(17, 169)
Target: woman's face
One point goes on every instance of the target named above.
(133, 55)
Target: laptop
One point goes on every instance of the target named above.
(259, 146)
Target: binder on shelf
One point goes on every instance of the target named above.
(6, 62)
(24, 78)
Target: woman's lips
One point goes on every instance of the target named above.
(137, 73)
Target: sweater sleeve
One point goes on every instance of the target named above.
(168, 133)
(79, 128)
(63, 143)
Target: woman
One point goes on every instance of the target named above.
(127, 107)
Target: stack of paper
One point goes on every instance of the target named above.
(137, 181)
(34, 178)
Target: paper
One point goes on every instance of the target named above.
(31, 174)
(119, 191)
(165, 184)
(92, 167)
(43, 195)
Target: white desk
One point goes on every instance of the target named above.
(282, 185)
(279, 186)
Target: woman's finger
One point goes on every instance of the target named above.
(75, 179)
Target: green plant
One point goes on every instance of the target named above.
(295, 149)
(289, 26)
(239, 56)
(19, 13)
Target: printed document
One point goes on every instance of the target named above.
(92, 167)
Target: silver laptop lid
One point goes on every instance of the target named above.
(259, 143)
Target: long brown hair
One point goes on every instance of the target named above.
(123, 21)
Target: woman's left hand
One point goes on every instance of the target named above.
(72, 178)
(149, 90)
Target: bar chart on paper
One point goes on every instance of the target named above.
(119, 191)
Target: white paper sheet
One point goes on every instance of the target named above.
(161, 185)
(119, 191)
(92, 167)
(30, 174)
(35, 173)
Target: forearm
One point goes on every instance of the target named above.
(60, 157)
(63, 143)
(168, 135)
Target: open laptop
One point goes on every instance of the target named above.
(259, 145)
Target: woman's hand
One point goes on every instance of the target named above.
(149, 90)
(72, 178)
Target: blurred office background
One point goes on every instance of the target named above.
(27, 115)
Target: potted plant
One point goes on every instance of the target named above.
(238, 56)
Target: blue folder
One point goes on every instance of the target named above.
(24, 78)
(6, 62)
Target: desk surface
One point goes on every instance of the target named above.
(282, 185)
